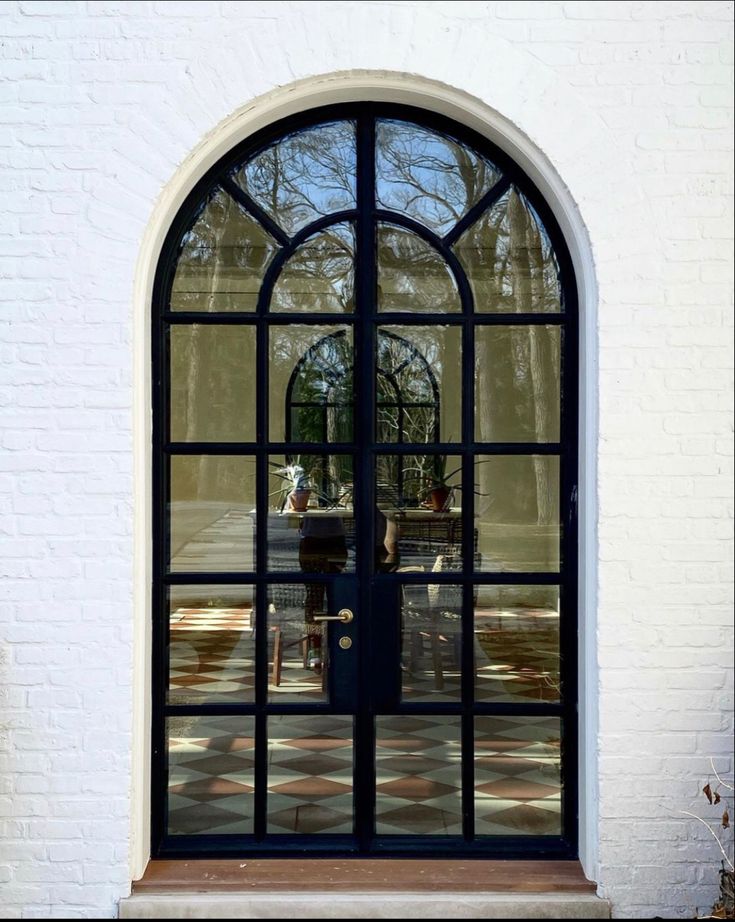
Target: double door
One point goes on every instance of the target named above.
(363, 593)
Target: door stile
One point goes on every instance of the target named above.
(364, 435)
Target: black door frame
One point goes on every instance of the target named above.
(382, 589)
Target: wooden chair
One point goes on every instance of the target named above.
(287, 599)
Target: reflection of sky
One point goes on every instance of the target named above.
(305, 175)
(418, 172)
(428, 176)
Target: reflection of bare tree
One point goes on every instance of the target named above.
(428, 176)
(222, 260)
(512, 266)
(507, 254)
(509, 259)
(304, 175)
(320, 276)
(412, 276)
(529, 273)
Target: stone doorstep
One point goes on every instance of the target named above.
(377, 905)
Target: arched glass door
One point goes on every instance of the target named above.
(365, 567)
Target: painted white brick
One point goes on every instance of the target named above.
(99, 104)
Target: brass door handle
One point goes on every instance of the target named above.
(344, 615)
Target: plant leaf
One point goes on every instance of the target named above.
(725, 820)
(717, 797)
(707, 791)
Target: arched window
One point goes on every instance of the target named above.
(365, 545)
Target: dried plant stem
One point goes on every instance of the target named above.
(714, 835)
(720, 780)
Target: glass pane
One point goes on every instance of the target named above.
(517, 512)
(431, 642)
(212, 383)
(413, 276)
(310, 769)
(311, 520)
(509, 260)
(418, 516)
(419, 384)
(320, 276)
(211, 644)
(298, 651)
(310, 377)
(303, 176)
(516, 643)
(212, 513)
(222, 261)
(428, 176)
(211, 778)
(418, 764)
(517, 776)
(517, 383)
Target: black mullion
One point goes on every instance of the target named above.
(262, 217)
(213, 317)
(468, 695)
(179, 578)
(468, 559)
(159, 780)
(443, 708)
(253, 448)
(340, 846)
(456, 448)
(569, 562)
(396, 318)
(487, 200)
(261, 568)
(365, 291)
(487, 578)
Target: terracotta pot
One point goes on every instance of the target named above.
(439, 498)
(298, 500)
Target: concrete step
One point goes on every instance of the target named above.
(376, 905)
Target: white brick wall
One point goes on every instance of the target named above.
(99, 104)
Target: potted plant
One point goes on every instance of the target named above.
(307, 479)
(440, 491)
(298, 487)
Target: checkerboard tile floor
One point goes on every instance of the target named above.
(210, 787)
(517, 655)
(419, 776)
(212, 655)
(517, 776)
(212, 652)
(310, 765)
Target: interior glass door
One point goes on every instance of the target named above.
(365, 480)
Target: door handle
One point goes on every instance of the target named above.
(344, 615)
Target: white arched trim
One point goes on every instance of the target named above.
(379, 86)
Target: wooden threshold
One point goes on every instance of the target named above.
(385, 875)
